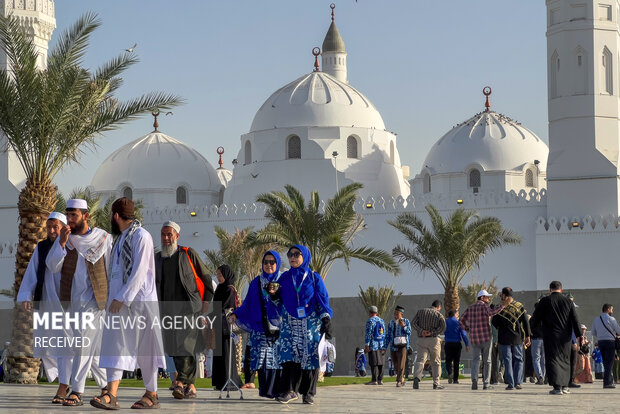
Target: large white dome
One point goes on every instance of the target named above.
(317, 99)
(156, 161)
(492, 140)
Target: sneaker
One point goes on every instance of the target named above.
(609, 386)
(556, 391)
(449, 380)
(518, 386)
(455, 381)
(438, 387)
(308, 399)
(488, 387)
(540, 381)
(380, 382)
(288, 397)
(371, 383)
(474, 386)
(565, 390)
(510, 387)
(574, 385)
(416, 383)
(398, 385)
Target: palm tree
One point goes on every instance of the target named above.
(452, 247)
(328, 232)
(382, 297)
(236, 251)
(49, 117)
(469, 293)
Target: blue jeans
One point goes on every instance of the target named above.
(538, 358)
(512, 356)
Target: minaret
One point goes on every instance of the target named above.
(37, 19)
(334, 55)
(583, 43)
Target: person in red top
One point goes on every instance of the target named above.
(476, 321)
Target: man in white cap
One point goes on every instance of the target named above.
(133, 297)
(375, 345)
(41, 286)
(80, 254)
(476, 321)
(184, 288)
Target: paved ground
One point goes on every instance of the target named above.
(346, 399)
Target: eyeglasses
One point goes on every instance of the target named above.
(269, 262)
(293, 254)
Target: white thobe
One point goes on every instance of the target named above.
(125, 348)
(85, 359)
(56, 364)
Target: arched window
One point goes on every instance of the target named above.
(427, 183)
(608, 86)
(474, 178)
(580, 81)
(351, 147)
(554, 69)
(248, 153)
(529, 178)
(293, 149)
(128, 193)
(391, 152)
(181, 195)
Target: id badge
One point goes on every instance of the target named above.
(301, 312)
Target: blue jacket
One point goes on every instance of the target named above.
(454, 332)
(394, 329)
(373, 345)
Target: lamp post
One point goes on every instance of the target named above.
(335, 154)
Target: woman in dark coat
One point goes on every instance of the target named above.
(226, 295)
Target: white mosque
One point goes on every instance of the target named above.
(564, 200)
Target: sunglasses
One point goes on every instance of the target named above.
(293, 254)
(269, 262)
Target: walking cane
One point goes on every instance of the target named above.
(230, 380)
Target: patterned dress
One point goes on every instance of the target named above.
(299, 340)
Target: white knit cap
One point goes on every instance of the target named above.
(77, 203)
(172, 224)
(58, 216)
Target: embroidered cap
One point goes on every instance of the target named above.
(77, 203)
(172, 224)
(400, 309)
(58, 216)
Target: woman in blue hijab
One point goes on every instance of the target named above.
(260, 316)
(306, 316)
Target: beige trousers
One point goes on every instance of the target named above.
(428, 347)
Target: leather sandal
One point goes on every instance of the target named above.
(141, 404)
(73, 402)
(178, 393)
(99, 401)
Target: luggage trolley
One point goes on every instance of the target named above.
(229, 382)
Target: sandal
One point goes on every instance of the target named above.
(189, 392)
(178, 393)
(73, 402)
(99, 402)
(58, 399)
(141, 404)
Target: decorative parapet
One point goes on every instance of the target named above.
(587, 224)
(8, 249)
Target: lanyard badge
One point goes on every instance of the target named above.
(301, 311)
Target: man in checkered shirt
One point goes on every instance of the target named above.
(476, 321)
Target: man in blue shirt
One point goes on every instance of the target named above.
(453, 336)
(375, 345)
(605, 328)
(397, 338)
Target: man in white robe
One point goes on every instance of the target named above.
(41, 286)
(132, 296)
(80, 254)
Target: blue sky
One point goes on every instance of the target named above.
(423, 64)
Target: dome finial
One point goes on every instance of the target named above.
(220, 151)
(486, 91)
(155, 123)
(332, 6)
(316, 52)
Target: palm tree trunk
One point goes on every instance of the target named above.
(451, 298)
(35, 203)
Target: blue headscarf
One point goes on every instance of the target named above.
(312, 292)
(257, 302)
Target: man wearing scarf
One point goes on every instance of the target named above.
(132, 296)
(184, 288)
(260, 317)
(80, 254)
(41, 286)
(306, 316)
(513, 332)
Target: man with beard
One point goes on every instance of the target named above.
(132, 297)
(80, 254)
(557, 317)
(184, 288)
(41, 286)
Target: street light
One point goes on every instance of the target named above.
(335, 154)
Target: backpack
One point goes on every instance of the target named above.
(378, 333)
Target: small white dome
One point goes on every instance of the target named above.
(317, 99)
(156, 161)
(492, 140)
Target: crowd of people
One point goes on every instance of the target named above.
(83, 271)
(548, 347)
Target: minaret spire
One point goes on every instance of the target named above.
(334, 55)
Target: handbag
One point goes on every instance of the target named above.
(617, 340)
(400, 341)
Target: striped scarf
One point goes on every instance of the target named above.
(512, 313)
(125, 253)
